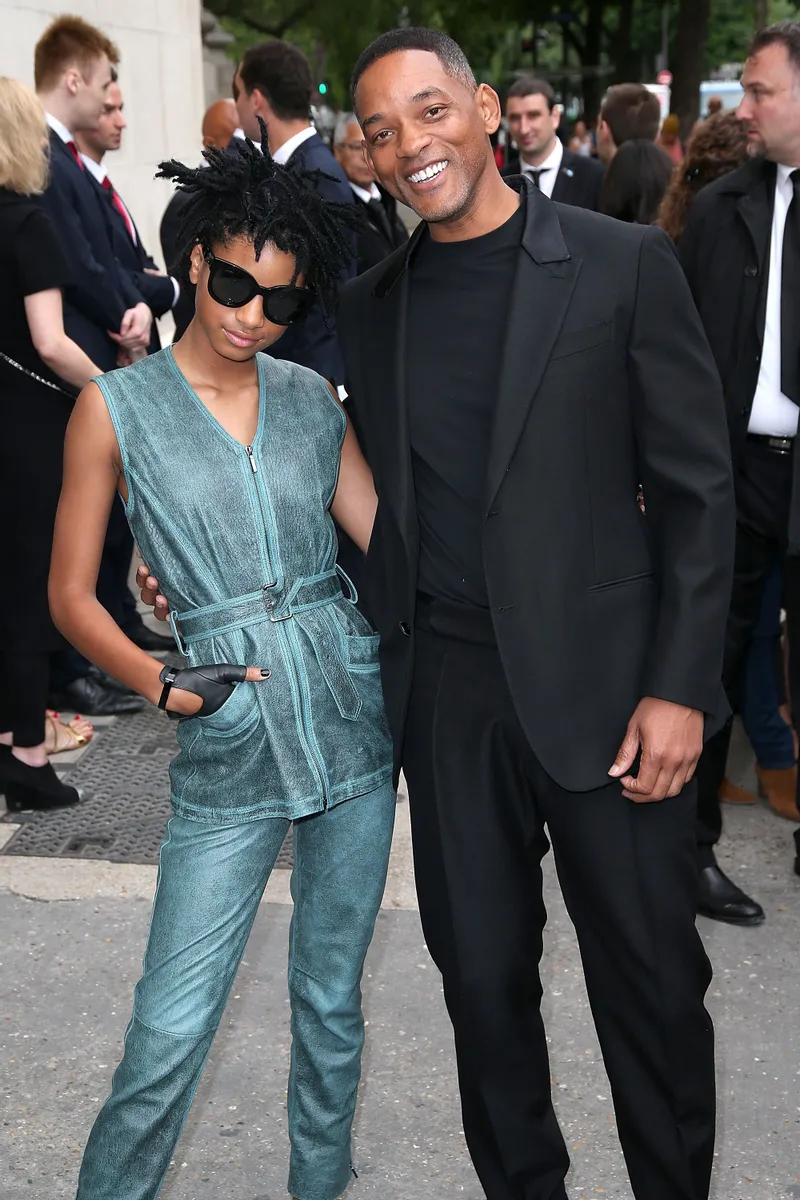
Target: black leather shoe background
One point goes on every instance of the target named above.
(721, 900)
(91, 699)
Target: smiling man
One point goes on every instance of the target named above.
(533, 119)
(549, 654)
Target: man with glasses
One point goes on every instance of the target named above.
(383, 229)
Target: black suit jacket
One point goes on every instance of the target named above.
(101, 290)
(381, 234)
(158, 292)
(724, 251)
(579, 181)
(606, 382)
(313, 343)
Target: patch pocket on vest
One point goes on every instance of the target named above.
(326, 641)
(238, 713)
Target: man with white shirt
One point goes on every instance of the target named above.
(274, 82)
(160, 291)
(533, 119)
(383, 230)
(741, 255)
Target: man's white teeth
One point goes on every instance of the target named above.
(429, 172)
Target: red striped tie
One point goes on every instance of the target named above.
(120, 207)
(73, 149)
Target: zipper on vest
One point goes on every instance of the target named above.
(270, 605)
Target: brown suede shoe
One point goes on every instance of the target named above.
(729, 793)
(779, 789)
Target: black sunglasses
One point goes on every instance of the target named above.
(233, 287)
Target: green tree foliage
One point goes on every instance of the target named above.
(603, 41)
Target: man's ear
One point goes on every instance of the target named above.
(556, 116)
(196, 263)
(488, 103)
(72, 80)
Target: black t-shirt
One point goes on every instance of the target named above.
(458, 305)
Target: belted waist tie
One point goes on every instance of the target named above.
(273, 604)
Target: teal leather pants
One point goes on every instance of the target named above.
(211, 879)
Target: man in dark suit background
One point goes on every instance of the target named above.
(630, 112)
(549, 654)
(160, 291)
(275, 83)
(741, 254)
(533, 119)
(104, 311)
(383, 230)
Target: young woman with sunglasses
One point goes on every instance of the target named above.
(230, 464)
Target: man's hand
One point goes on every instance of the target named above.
(150, 593)
(134, 330)
(670, 738)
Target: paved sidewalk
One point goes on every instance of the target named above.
(72, 935)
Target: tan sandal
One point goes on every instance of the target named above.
(60, 736)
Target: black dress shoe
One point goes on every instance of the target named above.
(91, 699)
(36, 788)
(150, 639)
(109, 684)
(721, 900)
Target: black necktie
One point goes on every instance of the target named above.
(790, 297)
(378, 212)
(536, 174)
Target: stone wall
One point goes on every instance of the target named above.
(161, 76)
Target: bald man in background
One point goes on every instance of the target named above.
(219, 129)
(220, 125)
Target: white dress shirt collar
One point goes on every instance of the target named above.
(285, 152)
(363, 194)
(549, 168)
(94, 168)
(58, 128)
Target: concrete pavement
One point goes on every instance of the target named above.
(71, 941)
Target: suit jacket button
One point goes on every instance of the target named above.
(405, 629)
(751, 271)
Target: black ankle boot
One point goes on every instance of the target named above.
(34, 787)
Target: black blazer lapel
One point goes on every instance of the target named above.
(754, 207)
(543, 285)
(389, 346)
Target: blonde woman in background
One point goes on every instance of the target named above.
(41, 373)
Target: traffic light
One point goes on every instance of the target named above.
(323, 89)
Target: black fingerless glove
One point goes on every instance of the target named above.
(213, 684)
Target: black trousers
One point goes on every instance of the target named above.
(763, 492)
(24, 679)
(479, 805)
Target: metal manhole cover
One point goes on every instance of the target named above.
(124, 778)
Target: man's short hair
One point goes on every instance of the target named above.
(449, 53)
(530, 85)
(782, 33)
(282, 74)
(67, 42)
(343, 123)
(631, 112)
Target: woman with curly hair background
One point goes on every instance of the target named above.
(717, 147)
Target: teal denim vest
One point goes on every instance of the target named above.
(242, 542)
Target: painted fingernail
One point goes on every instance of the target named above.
(265, 673)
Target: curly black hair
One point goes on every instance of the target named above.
(245, 192)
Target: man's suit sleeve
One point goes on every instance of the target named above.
(92, 291)
(685, 471)
(157, 291)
